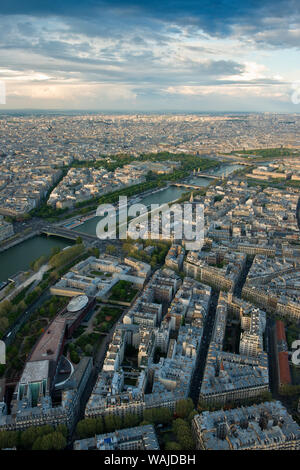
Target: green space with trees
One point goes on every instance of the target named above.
(173, 429)
(35, 438)
(123, 291)
(17, 353)
(66, 256)
(157, 257)
(268, 153)
(60, 261)
(106, 317)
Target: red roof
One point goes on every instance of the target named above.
(280, 331)
(284, 368)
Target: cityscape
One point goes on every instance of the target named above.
(139, 340)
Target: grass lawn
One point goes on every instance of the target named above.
(97, 273)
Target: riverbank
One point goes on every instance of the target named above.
(17, 255)
(18, 241)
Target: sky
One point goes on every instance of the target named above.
(158, 55)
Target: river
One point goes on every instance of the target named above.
(165, 195)
(19, 257)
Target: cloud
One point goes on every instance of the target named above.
(146, 52)
(215, 18)
(232, 90)
(70, 95)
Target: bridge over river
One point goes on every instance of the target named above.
(186, 185)
(55, 231)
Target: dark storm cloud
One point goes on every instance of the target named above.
(216, 17)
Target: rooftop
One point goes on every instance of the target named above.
(35, 371)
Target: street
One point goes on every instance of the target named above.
(206, 337)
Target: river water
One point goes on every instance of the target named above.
(165, 195)
(19, 257)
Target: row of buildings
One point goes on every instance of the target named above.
(96, 276)
(249, 221)
(81, 184)
(216, 266)
(267, 426)
(137, 438)
(6, 229)
(166, 348)
(287, 169)
(230, 376)
(90, 137)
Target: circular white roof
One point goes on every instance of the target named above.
(77, 303)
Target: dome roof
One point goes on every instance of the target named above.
(77, 303)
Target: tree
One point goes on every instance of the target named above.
(55, 250)
(111, 250)
(186, 440)
(74, 357)
(54, 276)
(53, 441)
(9, 439)
(38, 263)
(4, 323)
(62, 428)
(150, 176)
(57, 441)
(37, 291)
(149, 416)
(287, 389)
(112, 423)
(164, 415)
(99, 426)
(178, 424)
(184, 408)
(130, 420)
(33, 437)
(94, 252)
(81, 429)
(173, 446)
(28, 437)
(183, 434)
(191, 416)
(89, 349)
(158, 415)
(44, 430)
(202, 406)
(66, 256)
(89, 427)
(5, 307)
(52, 309)
(21, 305)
